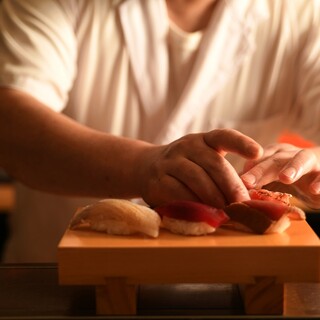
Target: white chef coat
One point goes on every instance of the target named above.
(105, 64)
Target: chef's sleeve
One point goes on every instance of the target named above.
(38, 49)
(306, 107)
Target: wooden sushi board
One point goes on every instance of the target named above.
(261, 264)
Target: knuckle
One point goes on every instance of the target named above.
(258, 171)
(186, 145)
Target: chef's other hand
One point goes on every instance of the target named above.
(194, 168)
(295, 168)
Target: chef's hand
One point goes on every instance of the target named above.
(296, 169)
(194, 168)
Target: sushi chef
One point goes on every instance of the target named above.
(153, 100)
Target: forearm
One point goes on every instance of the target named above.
(49, 151)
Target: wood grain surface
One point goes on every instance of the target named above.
(226, 256)
(261, 264)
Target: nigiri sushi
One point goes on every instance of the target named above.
(118, 217)
(266, 212)
(273, 196)
(190, 218)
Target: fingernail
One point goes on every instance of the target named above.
(316, 187)
(249, 178)
(290, 172)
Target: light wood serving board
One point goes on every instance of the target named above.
(117, 264)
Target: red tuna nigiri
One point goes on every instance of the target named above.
(191, 218)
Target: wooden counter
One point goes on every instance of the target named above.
(262, 264)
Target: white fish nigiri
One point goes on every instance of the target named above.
(118, 217)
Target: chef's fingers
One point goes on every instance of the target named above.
(301, 163)
(196, 178)
(284, 166)
(229, 140)
(315, 185)
(305, 191)
(268, 152)
(208, 177)
(225, 178)
(167, 188)
(261, 174)
(225, 183)
(169, 175)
